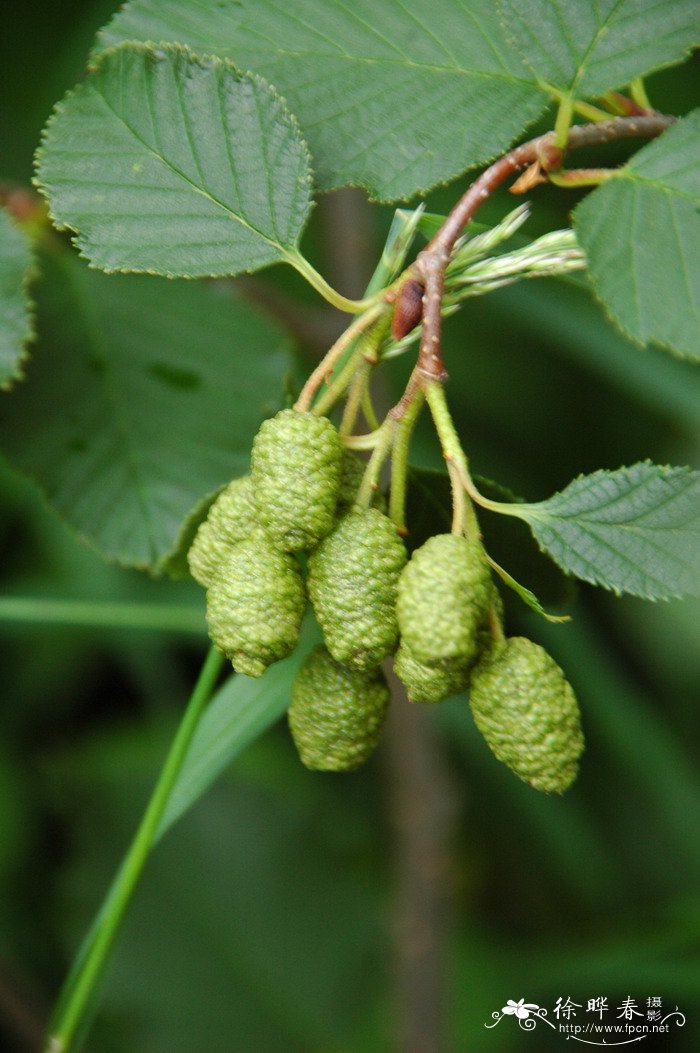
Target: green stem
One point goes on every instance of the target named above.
(585, 109)
(325, 367)
(319, 283)
(454, 456)
(563, 122)
(358, 389)
(338, 385)
(368, 410)
(639, 94)
(399, 462)
(370, 480)
(576, 177)
(365, 350)
(161, 617)
(612, 101)
(365, 442)
(80, 989)
(590, 112)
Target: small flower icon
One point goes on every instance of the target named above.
(521, 1009)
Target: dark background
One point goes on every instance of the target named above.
(281, 914)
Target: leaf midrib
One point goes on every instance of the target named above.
(202, 191)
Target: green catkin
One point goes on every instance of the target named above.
(337, 714)
(351, 475)
(255, 605)
(527, 712)
(231, 519)
(296, 467)
(434, 683)
(428, 683)
(444, 595)
(353, 578)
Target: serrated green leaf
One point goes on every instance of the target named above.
(394, 96)
(641, 233)
(165, 163)
(142, 396)
(16, 307)
(585, 49)
(634, 530)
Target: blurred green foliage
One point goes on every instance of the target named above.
(264, 920)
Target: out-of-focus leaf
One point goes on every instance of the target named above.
(16, 308)
(127, 416)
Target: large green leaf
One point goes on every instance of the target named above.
(396, 96)
(585, 49)
(634, 530)
(641, 233)
(142, 396)
(171, 164)
(16, 323)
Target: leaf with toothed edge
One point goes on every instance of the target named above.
(585, 49)
(166, 163)
(634, 530)
(641, 232)
(396, 96)
(16, 307)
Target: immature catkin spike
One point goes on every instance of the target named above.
(255, 605)
(232, 518)
(528, 714)
(444, 595)
(336, 715)
(353, 577)
(296, 467)
(428, 683)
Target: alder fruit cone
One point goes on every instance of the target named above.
(337, 714)
(296, 466)
(232, 518)
(255, 606)
(526, 710)
(351, 475)
(353, 579)
(444, 596)
(429, 683)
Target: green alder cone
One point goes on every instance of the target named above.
(231, 519)
(351, 475)
(353, 579)
(444, 596)
(434, 683)
(255, 606)
(337, 714)
(429, 683)
(296, 467)
(527, 712)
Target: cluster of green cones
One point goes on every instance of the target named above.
(290, 531)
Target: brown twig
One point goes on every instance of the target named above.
(431, 262)
(423, 809)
